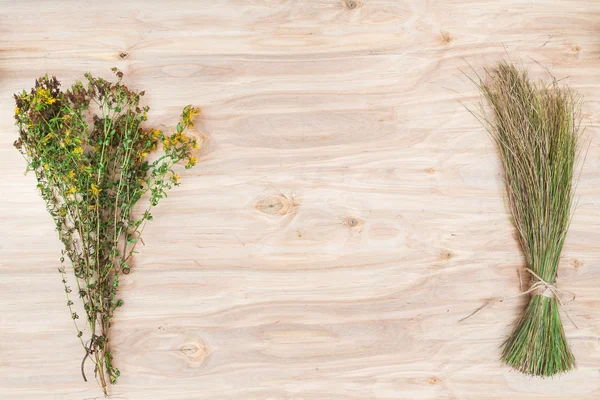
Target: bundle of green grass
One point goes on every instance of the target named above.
(536, 128)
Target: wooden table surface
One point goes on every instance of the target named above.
(347, 210)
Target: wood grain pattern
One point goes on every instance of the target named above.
(346, 213)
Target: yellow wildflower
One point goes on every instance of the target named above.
(71, 174)
(95, 190)
(17, 110)
(188, 115)
(191, 162)
(72, 189)
(46, 166)
(67, 141)
(78, 150)
(175, 178)
(92, 207)
(50, 100)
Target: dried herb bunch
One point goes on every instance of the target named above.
(536, 128)
(91, 176)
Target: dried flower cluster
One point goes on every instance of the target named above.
(91, 175)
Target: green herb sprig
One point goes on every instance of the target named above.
(90, 156)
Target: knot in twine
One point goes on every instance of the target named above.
(539, 287)
(546, 289)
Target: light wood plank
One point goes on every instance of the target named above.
(346, 213)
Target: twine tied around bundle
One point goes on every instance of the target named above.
(539, 287)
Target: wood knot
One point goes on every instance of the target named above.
(278, 205)
(201, 137)
(123, 55)
(577, 264)
(351, 4)
(446, 254)
(430, 170)
(194, 351)
(354, 223)
(434, 380)
(446, 38)
(576, 48)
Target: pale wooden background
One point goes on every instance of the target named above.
(346, 213)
